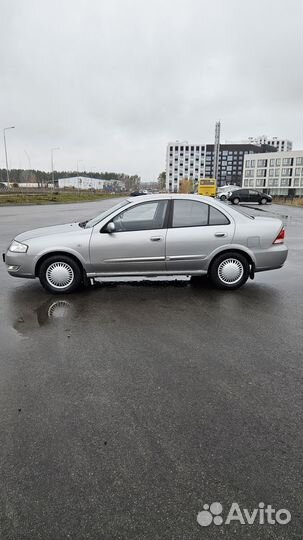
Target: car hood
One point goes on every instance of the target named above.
(48, 231)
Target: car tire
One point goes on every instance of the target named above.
(223, 198)
(263, 200)
(236, 200)
(229, 271)
(60, 274)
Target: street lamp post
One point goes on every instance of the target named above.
(29, 163)
(52, 165)
(5, 149)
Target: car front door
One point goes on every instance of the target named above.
(195, 231)
(136, 246)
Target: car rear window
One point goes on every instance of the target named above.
(196, 214)
(190, 214)
(216, 217)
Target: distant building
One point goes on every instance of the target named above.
(195, 161)
(84, 182)
(280, 173)
(281, 145)
(183, 160)
(20, 185)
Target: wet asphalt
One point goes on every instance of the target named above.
(126, 407)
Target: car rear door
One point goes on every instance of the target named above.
(136, 246)
(242, 194)
(196, 229)
(253, 196)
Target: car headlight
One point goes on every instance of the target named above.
(17, 247)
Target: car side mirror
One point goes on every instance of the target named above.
(111, 227)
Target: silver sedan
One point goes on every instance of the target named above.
(153, 235)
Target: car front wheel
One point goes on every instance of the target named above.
(229, 271)
(263, 200)
(223, 198)
(60, 274)
(236, 200)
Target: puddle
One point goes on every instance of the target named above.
(54, 311)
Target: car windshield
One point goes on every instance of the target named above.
(100, 217)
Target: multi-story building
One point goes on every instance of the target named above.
(195, 161)
(184, 160)
(282, 145)
(280, 173)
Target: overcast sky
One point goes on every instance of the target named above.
(111, 82)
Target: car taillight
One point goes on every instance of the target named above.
(280, 237)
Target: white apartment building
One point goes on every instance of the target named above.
(282, 145)
(184, 160)
(280, 173)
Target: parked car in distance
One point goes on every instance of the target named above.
(153, 235)
(138, 193)
(224, 191)
(249, 196)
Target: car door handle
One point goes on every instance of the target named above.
(155, 238)
(220, 234)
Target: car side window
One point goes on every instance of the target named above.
(190, 214)
(253, 192)
(142, 217)
(216, 217)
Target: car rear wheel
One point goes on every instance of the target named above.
(263, 200)
(223, 198)
(236, 200)
(229, 271)
(60, 274)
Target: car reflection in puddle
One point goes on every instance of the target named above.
(48, 312)
(58, 309)
(26, 316)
